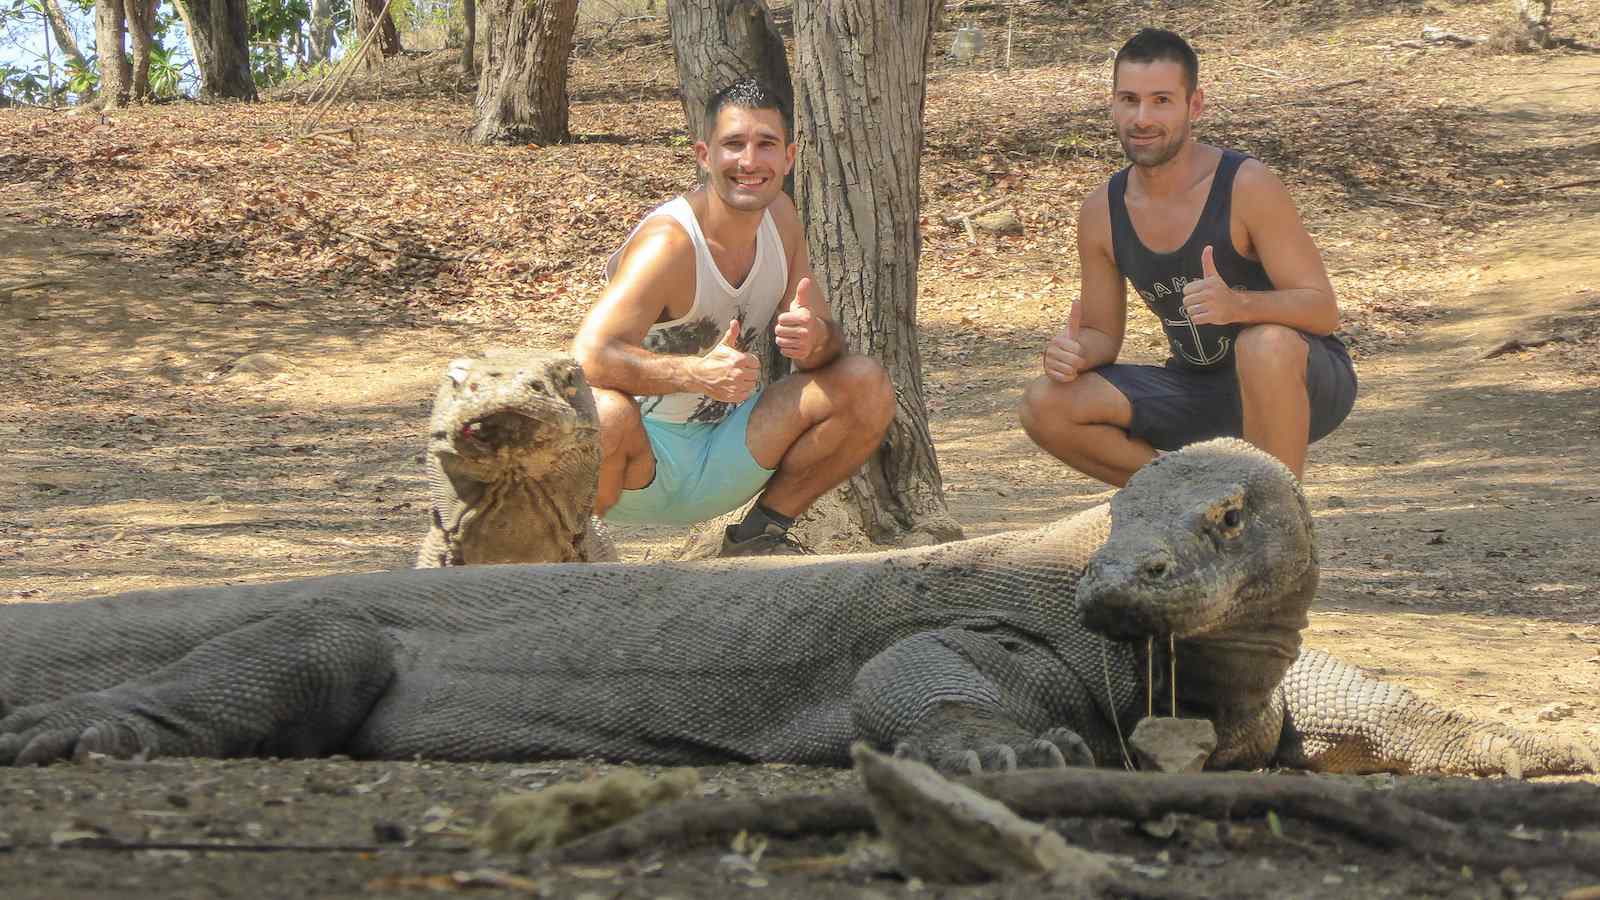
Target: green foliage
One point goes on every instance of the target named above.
(83, 79)
(23, 84)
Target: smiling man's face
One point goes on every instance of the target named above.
(747, 156)
(1153, 107)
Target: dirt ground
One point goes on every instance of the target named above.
(186, 407)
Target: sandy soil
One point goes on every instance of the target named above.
(176, 424)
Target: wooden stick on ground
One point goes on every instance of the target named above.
(1367, 815)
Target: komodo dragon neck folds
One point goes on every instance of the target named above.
(969, 655)
(513, 454)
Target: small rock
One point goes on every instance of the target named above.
(1336, 502)
(388, 833)
(998, 222)
(1164, 744)
(211, 499)
(1555, 712)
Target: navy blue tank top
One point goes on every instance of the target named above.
(1159, 277)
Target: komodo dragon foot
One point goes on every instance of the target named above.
(969, 740)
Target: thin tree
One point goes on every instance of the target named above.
(66, 41)
(110, 31)
(858, 119)
(469, 42)
(220, 39)
(387, 37)
(522, 99)
(141, 15)
(320, 31)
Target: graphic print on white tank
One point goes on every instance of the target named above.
(1159, 278)
(753, 302)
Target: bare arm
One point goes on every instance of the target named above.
(1094, 337)
(804, 327)
(655, 271)
(1303, 297)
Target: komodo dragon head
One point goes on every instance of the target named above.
(1212, 543)
(510, 414)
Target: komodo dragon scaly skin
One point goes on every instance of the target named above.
(513, 452)
(968, 654)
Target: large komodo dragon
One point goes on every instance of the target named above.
(513, 452)
(969, 654)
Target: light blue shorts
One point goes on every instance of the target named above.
(702, 471)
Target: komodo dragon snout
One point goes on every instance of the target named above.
(1189, 555)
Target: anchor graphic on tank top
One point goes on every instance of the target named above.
(1182, 325)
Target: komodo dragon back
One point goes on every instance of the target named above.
(513, 458)
(1025, 648)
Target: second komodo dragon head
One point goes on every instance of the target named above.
(523, 415)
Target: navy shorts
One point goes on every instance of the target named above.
(1174, 406)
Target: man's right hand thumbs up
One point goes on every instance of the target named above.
(1063, 356)
(728, 373)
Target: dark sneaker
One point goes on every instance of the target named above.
(772, 542)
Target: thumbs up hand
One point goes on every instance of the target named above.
(1210, 301)
(727, 373)
(1063, 356)
(800, 329)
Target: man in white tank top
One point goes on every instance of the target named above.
(672, 348)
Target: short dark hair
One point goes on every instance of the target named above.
(1160, 45)
(748, 93)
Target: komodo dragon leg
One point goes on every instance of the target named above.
(969, 701)
(297, 683)
(1341, 720)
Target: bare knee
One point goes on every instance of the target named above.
(866, 391)
(1049, 405)
(1275, 349)
(621, 426)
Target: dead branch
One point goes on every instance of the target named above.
(1351, 808)
(1322, 88)
(1516, 345)
(1582, 182)
(7, 291)
(351, 135)
(959, 217)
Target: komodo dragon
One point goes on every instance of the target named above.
(968, 654)
(513, 452)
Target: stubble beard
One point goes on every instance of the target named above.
(1151, 156)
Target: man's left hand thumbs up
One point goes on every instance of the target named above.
(800, 329)
(1210, 301)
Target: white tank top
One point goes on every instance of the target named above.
(716, 303)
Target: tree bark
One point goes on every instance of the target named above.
(469, 42)
(65, 39)
(388, 37)
(219, 38)
(141, 30)
(858, 119)
(523, 99)
(717, 42)
(321, 31)
(110, 28)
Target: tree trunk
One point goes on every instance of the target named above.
(110, 27)
(219, 38)
(717, 42)
(141, 29)
(858, 119)
(469, 42)
(387, 37)
(63, 34)
(321, 31)
(524, 99)
(1533, 19)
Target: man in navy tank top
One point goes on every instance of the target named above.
(1212, 243)
(673, 349)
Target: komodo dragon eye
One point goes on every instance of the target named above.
(1232, 519)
